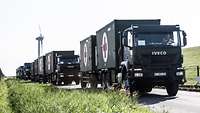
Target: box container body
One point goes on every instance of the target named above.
(32, 69)
(41, 65)
(108, 41)
(35, 67)
(87, 54)
(51, 60)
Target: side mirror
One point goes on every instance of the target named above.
(124, 41)
(184, 38)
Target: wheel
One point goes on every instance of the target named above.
(106, 80)
(172, 88)
(77, 82)
(93, 82)
(83, 84)
(58, 81)
(144, 90)
(149, 89)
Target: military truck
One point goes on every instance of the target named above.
(62, 67)
(153, 57)
(20, 72)
(142, 53)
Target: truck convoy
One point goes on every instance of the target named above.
(136, 54)
(56, 67)
(140, 53)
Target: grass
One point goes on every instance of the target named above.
(38, 98)
(4, 102)
(191, 60)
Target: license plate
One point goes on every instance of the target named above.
(160, 74)
(70, 66)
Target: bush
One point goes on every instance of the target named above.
(38, 98)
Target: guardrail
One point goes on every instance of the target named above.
(192, 74)
(193, 79)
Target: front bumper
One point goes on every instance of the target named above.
(158, 75)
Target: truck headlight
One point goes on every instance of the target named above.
(61, 62)
(138, 74)
(180, 73)
(119, 77)
(138, 69)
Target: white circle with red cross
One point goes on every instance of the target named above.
(85, 53)
(104, 47)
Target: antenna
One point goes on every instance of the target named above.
(40, 42)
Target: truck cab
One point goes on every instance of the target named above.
(68, 68)
(152, 56)
(27, 71)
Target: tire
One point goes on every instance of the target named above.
(172, 88)
(144, 90)
(106, 84)
(93, 82)
(58, 81)
(77, 82)
(83, 84)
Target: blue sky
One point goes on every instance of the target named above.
(65, 22)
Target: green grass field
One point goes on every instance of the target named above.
(191, 60)
(23, 97)
(4, 102)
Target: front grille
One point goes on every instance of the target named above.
(159, 60)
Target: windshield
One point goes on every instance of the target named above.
(68, 60)
(27, 66)
(165, 39)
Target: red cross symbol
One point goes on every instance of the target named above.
(104, 47)
(85, 54)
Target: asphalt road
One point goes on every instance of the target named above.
(184, 102)
(158, 101)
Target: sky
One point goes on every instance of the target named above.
(64, 23)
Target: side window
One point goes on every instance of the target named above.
(175, 38)
(130, 39)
